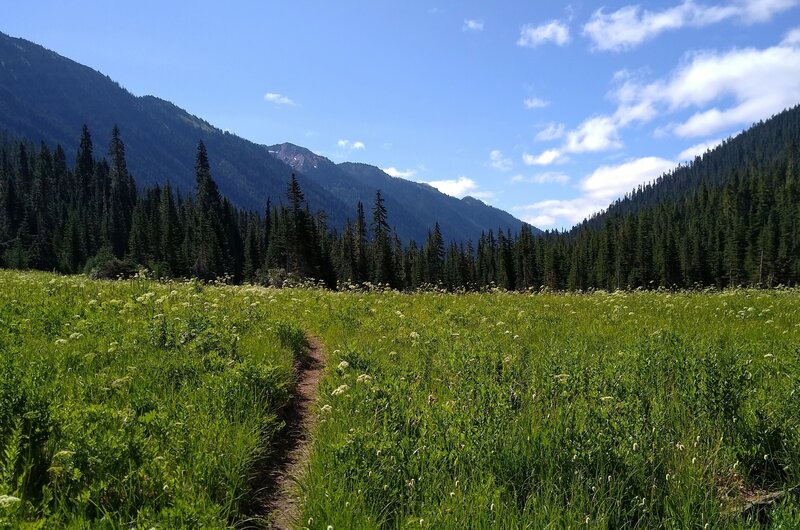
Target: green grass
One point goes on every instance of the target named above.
(493, 410)
(624, 410)
(134, 404)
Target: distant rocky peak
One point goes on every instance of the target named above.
(298, 158)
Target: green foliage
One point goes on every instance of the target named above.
(135, 403)
(501, 410)
(152, 404)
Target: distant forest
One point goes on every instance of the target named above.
(731, 218)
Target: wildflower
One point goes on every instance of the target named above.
(8, 500)
(413, 335)
(326, 409)
(343, 366)
(61, 341)
(363, 378)
(340, 390)
(75, 336)
(635, 446)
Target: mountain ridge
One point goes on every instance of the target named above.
(47, 97)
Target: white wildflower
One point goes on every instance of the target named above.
(340, 390)
(7, 501)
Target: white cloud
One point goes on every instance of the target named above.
(352, 146)
(604, 185)
(278, 99)
(553, 131)
(549, 177)
(595, 134)
(485, 196)
(631, 25)
(535, 103)
(599, 133)
(554, 31)
(394, 172)
(610, 182)
(696, 150)
(551, 156)
(472, 25)
(792, 38)
(763, 10)
(540, 221)
(455, 187)
(705, 78)
(545, 214)
(500, 162)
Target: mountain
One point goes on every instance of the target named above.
(728, 218)
(413, 207)
(755, 150)
(47, 97)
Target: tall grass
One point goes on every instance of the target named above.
(621, 410)
(134, 404)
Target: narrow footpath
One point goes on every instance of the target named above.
(282, 495)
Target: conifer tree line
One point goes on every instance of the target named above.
(741, 230)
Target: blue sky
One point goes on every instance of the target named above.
(546, 109)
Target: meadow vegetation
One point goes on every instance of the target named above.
(133, 403)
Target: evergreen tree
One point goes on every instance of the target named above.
(382, 268)
(209, 252)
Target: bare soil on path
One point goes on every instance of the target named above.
(281, 494)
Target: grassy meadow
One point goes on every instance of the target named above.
(137, 404)
(134, 404)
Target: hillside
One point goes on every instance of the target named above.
(47, 97)
(413, 207)
(756, 149)
(728, 218)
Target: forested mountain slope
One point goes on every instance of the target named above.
(730, 217)
(47, 97)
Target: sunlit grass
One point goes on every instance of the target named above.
(132, 403)
(491, 410)
(502, 410)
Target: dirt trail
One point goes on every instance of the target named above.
(281, 494)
